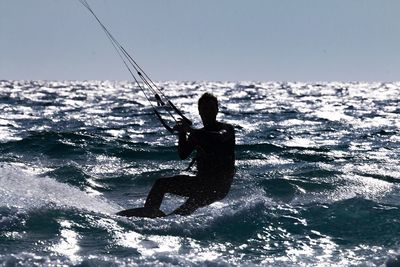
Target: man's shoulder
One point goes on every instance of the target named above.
(226, 126)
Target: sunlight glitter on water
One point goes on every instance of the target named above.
(311, 157)
(68, 244)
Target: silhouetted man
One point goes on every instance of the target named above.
(215, 158)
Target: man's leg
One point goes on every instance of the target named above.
(190, 206)
(202, 197)
(182, 185)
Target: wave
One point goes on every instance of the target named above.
(24, 191)
(82, 144)
(375, 222)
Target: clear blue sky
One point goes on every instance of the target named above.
(264, 40)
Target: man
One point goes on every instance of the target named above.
(215, 147)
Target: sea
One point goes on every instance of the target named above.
(317, 181)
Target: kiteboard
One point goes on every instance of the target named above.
(141, 212)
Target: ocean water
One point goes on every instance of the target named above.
(317, 183)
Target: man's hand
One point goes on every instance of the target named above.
(182, 127)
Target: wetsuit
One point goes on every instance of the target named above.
(215, 158)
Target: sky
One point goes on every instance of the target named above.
(196, 40)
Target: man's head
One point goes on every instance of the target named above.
(208, 109)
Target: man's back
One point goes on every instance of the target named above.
(215, 150)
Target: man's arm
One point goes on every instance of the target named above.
(185, 146)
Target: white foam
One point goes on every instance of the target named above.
(23, 190)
